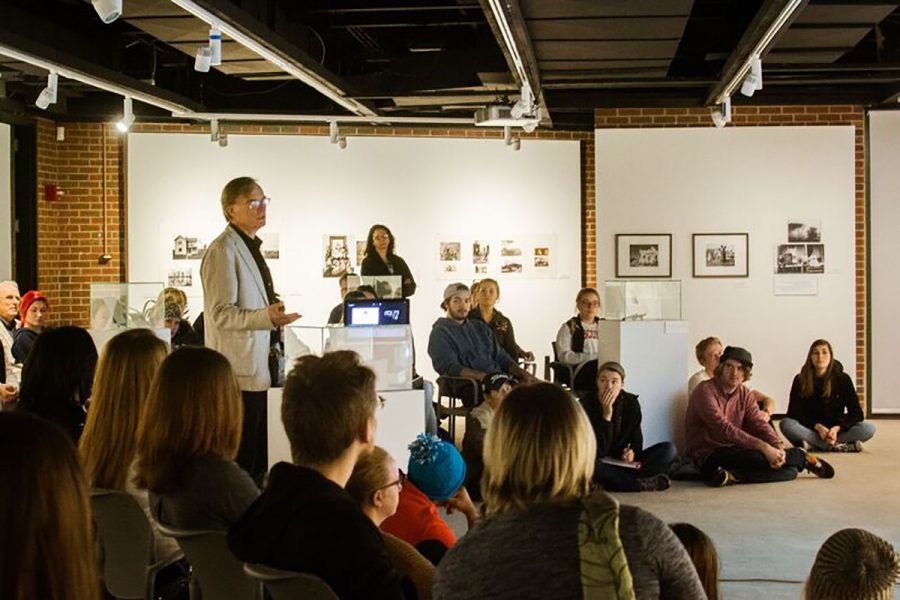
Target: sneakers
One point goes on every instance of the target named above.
(848, 447)
(819, 467)
(721, 478)
(655, 484)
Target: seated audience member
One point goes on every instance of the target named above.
(853, 564)
(436, 476)
(464, 347)
(578, 338)
(180, 330)
(824, 410)
(46, 532)
(187, 441)
(57, 378)
(376, 484)
(728, 437)
(485, 298)
(703, 554)
(615, 416)
(34, 312)
(305, 521)
(108, 446)
(545, 534)
(9, 311)
(336, 316)
(709, 351)
(496, 388)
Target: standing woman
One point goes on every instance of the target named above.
(486, 297)
(381, 260)
(824, 410)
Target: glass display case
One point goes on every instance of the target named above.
(649, 300)
(386, 349)
(385, 286)
(127, 306)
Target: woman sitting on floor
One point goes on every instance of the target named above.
(824, 410)
(545, 534)
(623, 465)
(376, 483)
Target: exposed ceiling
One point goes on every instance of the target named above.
(427, 58)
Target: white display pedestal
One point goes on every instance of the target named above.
(655, 361)
(401, 420)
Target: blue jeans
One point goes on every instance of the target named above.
(797, 433)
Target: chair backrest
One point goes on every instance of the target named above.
(289, 585)
(127, 541)
(220, 575)
(555, 351)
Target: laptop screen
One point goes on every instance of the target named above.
(381, 311)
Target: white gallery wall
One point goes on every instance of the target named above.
(5, 202)
(424, 189)
(884, 247)
(740, 180)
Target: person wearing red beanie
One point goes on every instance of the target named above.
(34, 311)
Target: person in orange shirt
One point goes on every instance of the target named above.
(435, 478)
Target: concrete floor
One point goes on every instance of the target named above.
(768, 535)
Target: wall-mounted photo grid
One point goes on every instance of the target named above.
(804, 252)
(464, 258)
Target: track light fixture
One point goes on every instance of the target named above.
(721, 113)
(108, 10)
(217, 133)
(525, 105)
(334, 135)
(753, 81)
(48, 94)
(215, 46)
(515, 142)
(203, 59)
(127, 115)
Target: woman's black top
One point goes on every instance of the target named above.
(373, 265)
(841, 408)
(503, 331)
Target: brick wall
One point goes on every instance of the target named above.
(71, 229)
(768, 116)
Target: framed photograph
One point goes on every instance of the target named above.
(643, 255)
(721, 255)
(800, 231)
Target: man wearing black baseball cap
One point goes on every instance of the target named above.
(728, 437)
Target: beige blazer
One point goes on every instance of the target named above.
(236, 322)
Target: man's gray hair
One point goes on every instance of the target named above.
(234, 190)
(10, 283)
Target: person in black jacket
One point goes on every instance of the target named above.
(381, 260)
(824, 411)
(622, 463)
(485, 298)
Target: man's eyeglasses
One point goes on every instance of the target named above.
(401, 479)
(256, 204)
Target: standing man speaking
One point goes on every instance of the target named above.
(242, 312)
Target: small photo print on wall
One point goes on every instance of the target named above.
(511, 266)
(804, 231)
(188, 247)
(271, 250)
(481, 252)
(451, 251)
(721, 255)
(542, 258)
(510, 248)
(336, 259)
(643, 255)
(790, 258)
(360, 252)
(182, 277)
(815, 258)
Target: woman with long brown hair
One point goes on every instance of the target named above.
(108, 446)
(46, 533)
(824, 411)
(187, 441)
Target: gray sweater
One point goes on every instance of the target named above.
(214, 493)
(535, 555)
